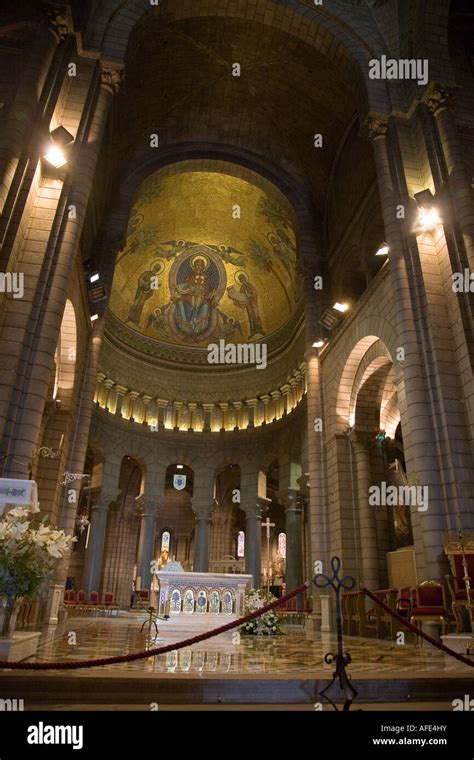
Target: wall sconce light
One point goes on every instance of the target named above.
(382, 250)
(428, 214)
(56, 153)
(94, 277)
(341, 307)
(319, 342)
(94, 317)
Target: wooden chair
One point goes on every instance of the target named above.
(351, 626)
(384, 623)
(366, 626)
(457, 586)
(430, 605)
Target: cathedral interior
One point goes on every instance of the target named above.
(236, 330)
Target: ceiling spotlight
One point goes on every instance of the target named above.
(94, 277)
(428, 214)
(342, 307)
(55, 154)
(319, 343)
(428, 218)
(179, 466)
(383, 250)
(94, 317)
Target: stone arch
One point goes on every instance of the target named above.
(341, 34)
(367, 332)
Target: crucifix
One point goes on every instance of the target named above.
(267, 524)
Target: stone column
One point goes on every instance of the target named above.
(417, 421)
(201, 540)
(120, 390)
(254, 511)
(437, 100)
(95, 544)
(367, 520)
(26, 404)
(294, 540)
(146, 543)
(202, 506)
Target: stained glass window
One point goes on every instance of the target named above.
(165, 541)
(241, 544)
(282, 545)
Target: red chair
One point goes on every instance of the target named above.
(143, 598)
(108, 602)
(94, 598)
(81, 597)
(70, 597)
(430, 605)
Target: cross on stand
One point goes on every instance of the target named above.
(267, 524)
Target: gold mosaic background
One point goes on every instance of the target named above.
(191, 273)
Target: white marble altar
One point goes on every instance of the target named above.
(197, 602)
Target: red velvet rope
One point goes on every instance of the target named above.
(416, 630)
(76, 664)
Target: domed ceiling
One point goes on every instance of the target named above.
(210, 255)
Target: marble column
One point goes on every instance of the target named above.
(146, 542)
(253, 538)
(95, 544)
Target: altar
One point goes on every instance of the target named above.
(196, 602)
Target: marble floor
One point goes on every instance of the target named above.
(297, 654)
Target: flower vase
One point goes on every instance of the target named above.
(8, 615)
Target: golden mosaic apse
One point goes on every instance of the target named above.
(208, 256)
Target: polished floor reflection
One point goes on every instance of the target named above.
(298, 653)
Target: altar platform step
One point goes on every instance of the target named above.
(119, 690)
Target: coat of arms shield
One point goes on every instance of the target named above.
(179, 482)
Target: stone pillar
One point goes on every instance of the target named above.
(202, 506)
(367, 519)
(252, 407)
(417, 421)
(294, 540)
(146, 543)
(201, 539)
(437, 100)
(286, 389)
(26, 403)
(254, 511)
(120, 390)
(95, 544)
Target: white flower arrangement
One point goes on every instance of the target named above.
(28, 554)
(268, 624)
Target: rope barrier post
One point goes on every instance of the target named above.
(151, 621)
(347, 583)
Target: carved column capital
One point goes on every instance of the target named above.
(376, 126)
(105, 498)
(59, 21)
(256, 507)
(111, 77)
(437, 98)
(146, 506)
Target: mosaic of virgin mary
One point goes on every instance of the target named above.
(197, 282)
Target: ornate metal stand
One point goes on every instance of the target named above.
(347, 583)
(151, 621)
